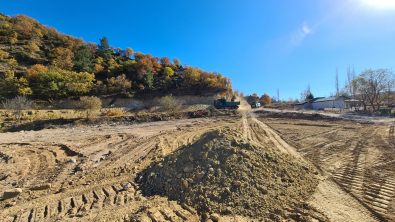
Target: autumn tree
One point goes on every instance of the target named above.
(104, 50)
(142, 65)
(168, 72)
(32, 47)
(34, 71)
(191, 76)
(83, 59)
(63, 58)
(11, 85)
(3, 55)
(56, 82)
(138, 55)
(8, 35)
(165, 61)
(24, 28)
(265, 99)
(119, 84)
(177, 62)
(128, 52)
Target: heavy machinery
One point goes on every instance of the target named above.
(255, 105)
(223, 104)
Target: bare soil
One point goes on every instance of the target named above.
(95, 170)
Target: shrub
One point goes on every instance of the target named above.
(114, 112)
(17, 105)
(24, 55)
(170, 104)
(88, 104)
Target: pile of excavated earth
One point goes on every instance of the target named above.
(224, 173)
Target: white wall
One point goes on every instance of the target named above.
(338, 103)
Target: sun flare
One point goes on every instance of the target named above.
(384, 3)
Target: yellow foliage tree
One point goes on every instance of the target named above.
(32, 47)
(63, 58)
(99, 60)
(3, 55)
(191, 76)
(168, 71)
(12, 85)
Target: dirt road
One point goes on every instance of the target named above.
(91, 170)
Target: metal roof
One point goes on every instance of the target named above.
(326, 99)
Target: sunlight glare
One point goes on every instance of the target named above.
(384, 3)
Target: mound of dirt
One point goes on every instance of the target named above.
(227, 174)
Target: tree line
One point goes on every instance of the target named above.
(42, 62)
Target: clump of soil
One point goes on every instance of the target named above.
(225, 173)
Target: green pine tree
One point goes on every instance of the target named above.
(83, 59)
(104, 50)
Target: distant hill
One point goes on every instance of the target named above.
(40, 62)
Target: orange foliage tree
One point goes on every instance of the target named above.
(265, 99)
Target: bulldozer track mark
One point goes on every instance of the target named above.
(374, 193)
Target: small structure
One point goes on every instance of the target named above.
(320, 103)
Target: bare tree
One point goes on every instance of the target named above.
(304, 95)
(17, 105)
(371, 85)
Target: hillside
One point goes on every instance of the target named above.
(38, 61)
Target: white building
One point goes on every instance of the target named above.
(321, 103)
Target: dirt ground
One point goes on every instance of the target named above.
(91, 173)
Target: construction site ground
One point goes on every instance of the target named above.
(88, 173)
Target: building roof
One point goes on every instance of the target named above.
(332, 98)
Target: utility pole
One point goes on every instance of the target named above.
(278, 95)
(337, 82)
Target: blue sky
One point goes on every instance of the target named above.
(261, 45)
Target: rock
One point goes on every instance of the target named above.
(179, 175)
(215, 217)
(12, 193)
(237, 183)
(188, 169)
(41, 186)
(185, 182)
(72, 160)
(227, 190)
(127, 186)
(203, 155)
(200, 175)
(211, 170)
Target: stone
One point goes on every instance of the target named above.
(200, 175)
(185, 182)
(188, 169)
(215, 217)
(72, 160)
(237, 183)
(41, 186)
(11, 193)
(179, 175)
